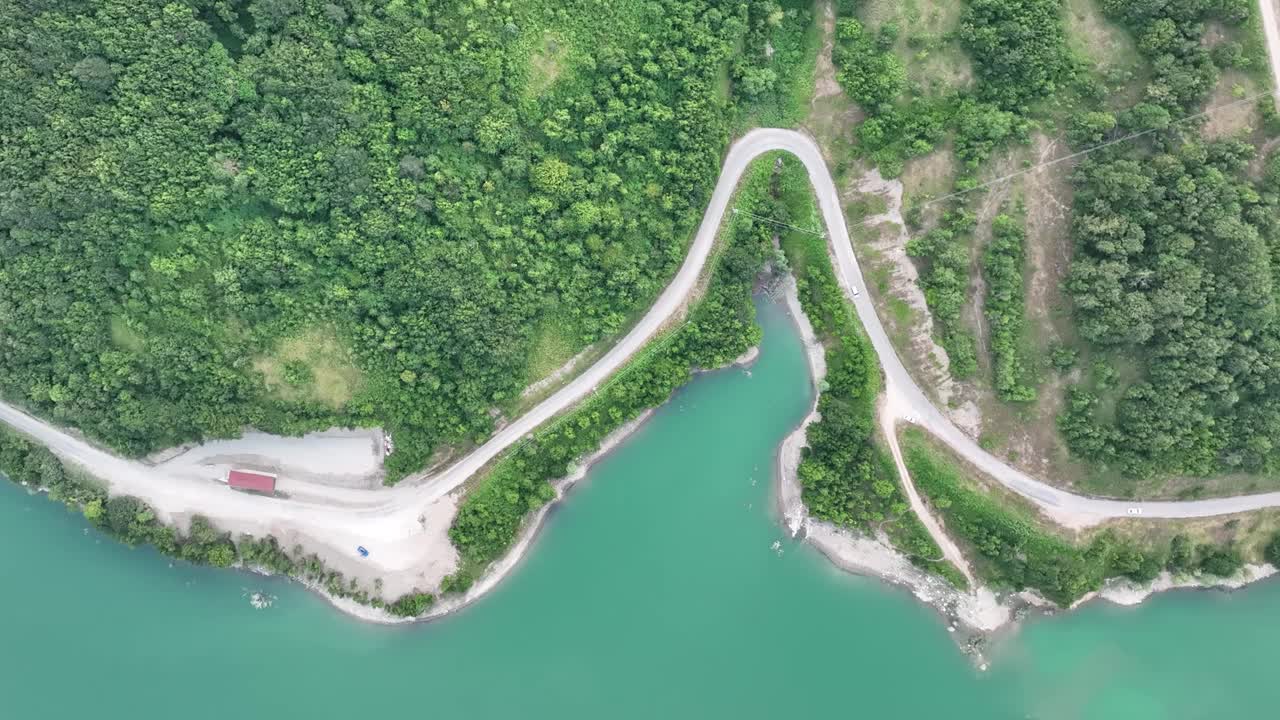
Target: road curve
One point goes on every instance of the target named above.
(337, 517)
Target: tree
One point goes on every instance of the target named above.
(121, 512)
(95, 75)
(1172, 264)
(1272, 551)
(871, 75)
(1018, 48)
(1181, 554)
(1091, 128)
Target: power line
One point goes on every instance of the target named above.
(1086, 151)
(819, 233)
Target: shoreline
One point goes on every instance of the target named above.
(500, 568)
(969, 616)
(503, 566)
(497, 571)
(975, 618)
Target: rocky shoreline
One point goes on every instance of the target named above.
(974, 618)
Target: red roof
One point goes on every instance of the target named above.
(245, 480)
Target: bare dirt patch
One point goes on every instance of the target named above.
(832, 117)
(929, 176)
(897, 295)
(825, 84)
(1231, 120)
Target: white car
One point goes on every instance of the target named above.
(1135, 511)
(855, 291)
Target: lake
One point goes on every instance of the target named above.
(652, 592)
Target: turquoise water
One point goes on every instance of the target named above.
(653, 592)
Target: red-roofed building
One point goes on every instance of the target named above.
(264, 483)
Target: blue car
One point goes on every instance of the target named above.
(363, 551)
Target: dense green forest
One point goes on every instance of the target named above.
(1176, 258)
(297, 213)
(1177, 246)
(1019, 50)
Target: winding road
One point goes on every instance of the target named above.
(408, 524)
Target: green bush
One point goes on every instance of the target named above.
(944, 276)
(1004, 309)
(1272, 552)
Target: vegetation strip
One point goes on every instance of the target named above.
(1015, 552)
(1004, 264)
(845, 477)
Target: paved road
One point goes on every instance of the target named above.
(1271, 31)
(336, 517)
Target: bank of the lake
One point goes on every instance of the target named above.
(652, 591)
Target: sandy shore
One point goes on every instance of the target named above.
(748, 358)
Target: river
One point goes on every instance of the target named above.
(652, 592)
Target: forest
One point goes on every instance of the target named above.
(189, 188)
(1176, 260)
(1177, 245)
